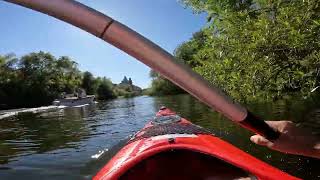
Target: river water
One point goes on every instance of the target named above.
(65, 143)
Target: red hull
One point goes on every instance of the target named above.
(142, 149)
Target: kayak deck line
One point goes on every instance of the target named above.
(191, 155)
(173, 136)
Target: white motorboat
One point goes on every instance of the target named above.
(71, 100)
(74, 101)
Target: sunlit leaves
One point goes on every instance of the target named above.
(257, 49)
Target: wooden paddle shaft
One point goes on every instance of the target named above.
(150, 54)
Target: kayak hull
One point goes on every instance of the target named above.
(140, 149)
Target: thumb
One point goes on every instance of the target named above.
(257, 139)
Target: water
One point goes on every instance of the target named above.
(65, 144)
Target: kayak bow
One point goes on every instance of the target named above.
(171, 147)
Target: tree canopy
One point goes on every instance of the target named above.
(256, 48)
(36, 79)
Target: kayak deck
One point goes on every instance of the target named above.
(170, 147)
(183, 164)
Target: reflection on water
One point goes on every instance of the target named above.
(306, 114)
(60, 144)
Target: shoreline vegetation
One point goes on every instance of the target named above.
(253, 50)
(36, 79)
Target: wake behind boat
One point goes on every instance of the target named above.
(171, 147)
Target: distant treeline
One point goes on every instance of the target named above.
(36, 79)
(161, 86)
(254, 49)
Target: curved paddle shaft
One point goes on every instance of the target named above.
(150, 54)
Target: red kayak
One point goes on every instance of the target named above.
(171, 147)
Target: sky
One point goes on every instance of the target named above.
(165, 22)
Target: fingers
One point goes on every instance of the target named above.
(257, 139)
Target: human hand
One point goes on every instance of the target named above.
(293, 140)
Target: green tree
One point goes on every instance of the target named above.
(36, 79)
(68, 74)
(257, 49)
(8, 77)
(104, 90)
(186, 52)
(89, 83)
(162, 86)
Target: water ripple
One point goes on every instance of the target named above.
(73, 143)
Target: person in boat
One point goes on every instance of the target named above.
(293, 140)
(81, 93)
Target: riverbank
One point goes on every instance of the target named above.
(37, 79)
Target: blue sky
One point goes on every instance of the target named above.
(164, 22)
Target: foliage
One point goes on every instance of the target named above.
(89, 83)
(257, 48)
(104, 90)
(161, 86)
(36, 79)
(184, 52)
(102, 87)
